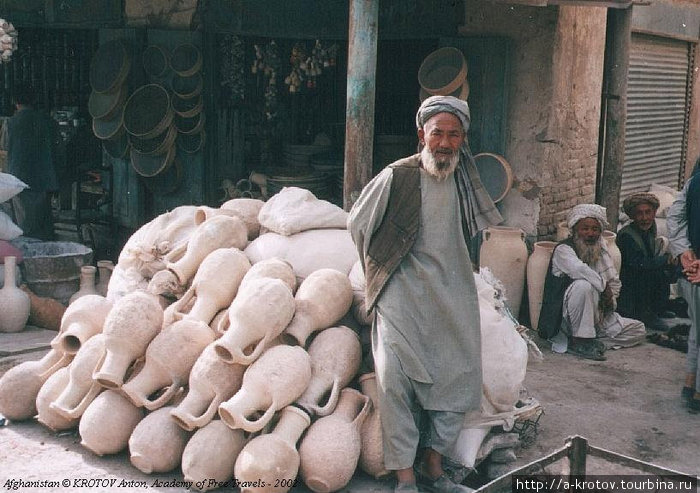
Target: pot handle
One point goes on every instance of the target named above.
(259, 423)
(78, 410)
(163, 399)
(208, 415)
(363, 412)
(62, 361)
(332, 400)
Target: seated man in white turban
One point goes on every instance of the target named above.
(580, 292)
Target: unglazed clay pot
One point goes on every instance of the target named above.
(169, 358)
(248, 210)
(372, 450)
(331, 447)
(273, 457)
(130, 326)
(537, 266)
(212, 381)
(211, 453)
(87, 283)
(504, 252)
(203, 212)
(218, 232)
(213, 288)
(609, 239)
(81, 389)
(260, 312)
(272, 382)
(14, 303)
(157, 443)
(84, 318)
(336, 354)
(104, 273)
(321, 300)
(108, 422)
(275, 268)
(44, 312)
(20, 385)
(47, 416)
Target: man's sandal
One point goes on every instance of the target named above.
(588, 348)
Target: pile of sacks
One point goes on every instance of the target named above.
(227, 345)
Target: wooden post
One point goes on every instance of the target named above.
(577, 456)
(359, 112)
(617, 66)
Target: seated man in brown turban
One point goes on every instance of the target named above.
(646, 271)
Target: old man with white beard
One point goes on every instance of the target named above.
(413, 225)
(581, 289)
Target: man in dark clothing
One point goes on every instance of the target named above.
(646, 271)
(29, 139)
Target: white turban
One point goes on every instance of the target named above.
(443, 104)
(583, 211)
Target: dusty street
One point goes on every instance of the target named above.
(629, 404)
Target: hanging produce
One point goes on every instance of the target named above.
(8, 40)
(307, 67)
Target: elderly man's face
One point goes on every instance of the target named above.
(588, 229)
(442, 135)
(643, 216)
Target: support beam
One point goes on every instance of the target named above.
(359, 111)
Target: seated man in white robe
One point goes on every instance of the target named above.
(581, 289)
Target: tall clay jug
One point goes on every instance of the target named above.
(210, 455)
(47, 416)
(321, 300)
(331, 447)
(247, 209)
(212, 381)
(273, 457)
(273, 267)
(129, 327)
(169, 358)
(609, 238)
(372, 450)
(260, 312)
(537, 266)
(14, 303)
(273, 381)
(504, 252)
(81, 389)
(107, 423)
(84, 318)
(104, 274)
(157, 443)
(336, 354)
(562, 231)
(87, 283)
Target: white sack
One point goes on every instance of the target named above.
(666, 196)
(10, 186)
(307, 251)
(294, 209)
(8, 229)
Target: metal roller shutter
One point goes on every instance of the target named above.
(657, 108)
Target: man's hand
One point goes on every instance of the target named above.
(691, 266)
(607, 301)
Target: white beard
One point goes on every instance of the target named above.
(589, 254)
(439, 169)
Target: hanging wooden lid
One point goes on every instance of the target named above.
(148, 113)
(157, 145)
(187, 87)
(105, 105)
(155, 61)
(187, 107)
(186, 60)
(109, 67)
(443, 71)
(190, 125)
(109, 128)
(151, 165)
(192, 143)
(118, 147)
(495, 173)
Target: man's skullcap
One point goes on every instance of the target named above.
(583, 211)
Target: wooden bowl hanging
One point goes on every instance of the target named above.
(186, 60)
(496, 174)
(109, 67)
(155, 61)
(149, 166)
(187, 87)
(187, 107)
(192, 143)
(105, 105)
(104, 128)
(190, 125)
(148, 112)
(157, 145)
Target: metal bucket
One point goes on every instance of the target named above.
(52, 268)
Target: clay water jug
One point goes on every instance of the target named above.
(169, 358)
(213, 288)
(135, 319)
(14, 303)
(248, 210)
(203, 212)
(537, 266)
(44, 312)
(562, 231)
(331, 447)
(104, 274)
(20, 385)
(107, 423)
(87, 283)
(372, 450)
(51, 389)
(81, 389)
(83, 319)
(273, 457)
(336, 354)
(273, 381)
(275, 268)
(212, 381)
(321, 300)
(504, 252)
(218, 232)
(210, 455)
(260, 312)
(609, 239)
(157, 443)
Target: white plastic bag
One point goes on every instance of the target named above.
(293, 210)
(8, 229)
(10, 186)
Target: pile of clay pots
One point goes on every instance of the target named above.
(225, 367)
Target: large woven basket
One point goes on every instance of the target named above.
(109, 67)
(148, 112)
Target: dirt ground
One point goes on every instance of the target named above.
(629, 404)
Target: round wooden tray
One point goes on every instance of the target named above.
(148, 112)
(495, 173)
(149, 166)
(109, 67)
(186, 60)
